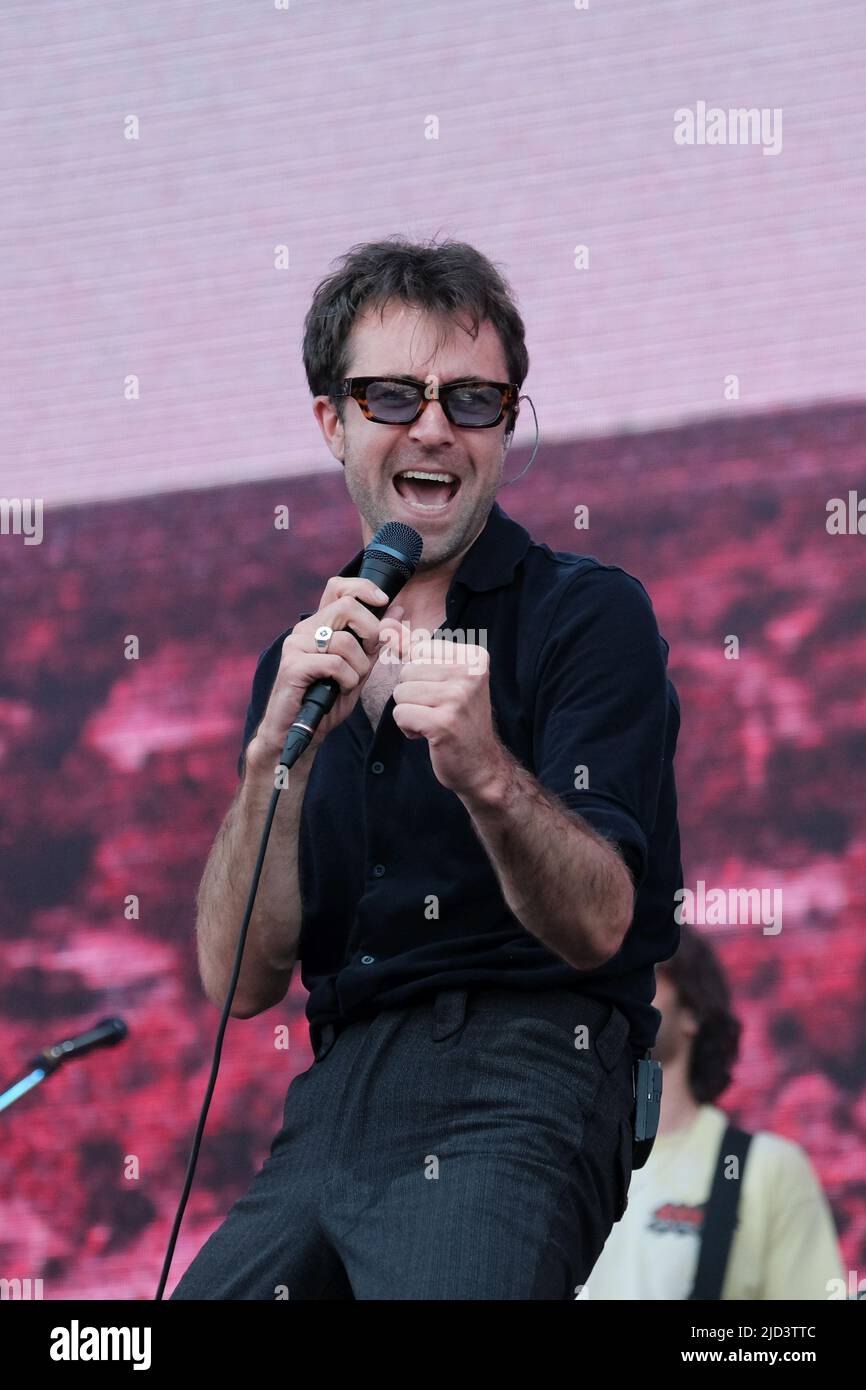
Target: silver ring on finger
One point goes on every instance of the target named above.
(323, 636)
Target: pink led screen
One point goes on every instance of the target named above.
(178, 177)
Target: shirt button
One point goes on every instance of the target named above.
(367, 960)
(377, 767)
(378, 870)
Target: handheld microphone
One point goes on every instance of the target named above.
(389, 561)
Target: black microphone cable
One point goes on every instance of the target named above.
(390, 560)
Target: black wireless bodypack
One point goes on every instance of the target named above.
(647, 1107)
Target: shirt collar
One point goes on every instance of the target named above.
(490, 560)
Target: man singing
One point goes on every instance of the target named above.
(475, 860)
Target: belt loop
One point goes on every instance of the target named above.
(449, 1012)
(612, 1039)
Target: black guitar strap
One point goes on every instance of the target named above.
(720, 1216)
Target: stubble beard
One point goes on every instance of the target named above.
(374, 505)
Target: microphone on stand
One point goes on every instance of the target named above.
(104, 1034)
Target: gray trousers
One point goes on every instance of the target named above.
(476, 1145)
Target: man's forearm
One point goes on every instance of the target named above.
(272, 939)
(563, 881)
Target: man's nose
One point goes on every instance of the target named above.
(432, 425)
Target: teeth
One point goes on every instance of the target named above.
(434, 477)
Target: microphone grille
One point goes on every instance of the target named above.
(396, 535)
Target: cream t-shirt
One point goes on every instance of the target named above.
(784, 1246)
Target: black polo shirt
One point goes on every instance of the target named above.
(399, 897)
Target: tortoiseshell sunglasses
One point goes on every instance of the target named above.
(469, 403)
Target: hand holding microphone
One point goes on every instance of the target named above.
(315, 690)
(345, 603)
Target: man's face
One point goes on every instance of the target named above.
(677, 1028)
(408, 342)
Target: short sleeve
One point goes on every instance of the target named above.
(263, 680)
(601, 709)
(802, 1255)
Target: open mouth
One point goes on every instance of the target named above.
(425, 490)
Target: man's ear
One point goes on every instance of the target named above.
(688, 1021)
(329, 422)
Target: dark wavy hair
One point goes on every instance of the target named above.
(701, 985)
(445, 278)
